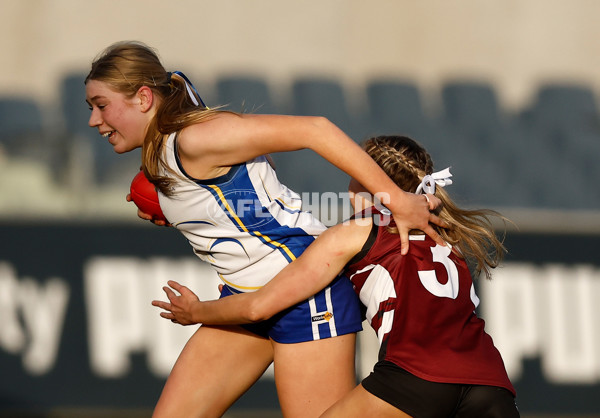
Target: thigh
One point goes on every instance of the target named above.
(312, 376)
(487, 402)
(359, 403)
(216, 366)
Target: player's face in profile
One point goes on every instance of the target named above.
(118, 118)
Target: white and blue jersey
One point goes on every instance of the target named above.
(246, 224)
(249, 226)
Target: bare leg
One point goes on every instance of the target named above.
(312, 376)
(216, 366)
(360, 403)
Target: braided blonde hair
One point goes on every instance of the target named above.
(471, 232)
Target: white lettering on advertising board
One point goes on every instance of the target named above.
(531, 311)
(32, 315)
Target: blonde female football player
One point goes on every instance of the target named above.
(217, 187)
(436, 360)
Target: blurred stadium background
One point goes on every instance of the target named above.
(503, 92)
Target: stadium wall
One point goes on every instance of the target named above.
(78, 330)
(515, 44)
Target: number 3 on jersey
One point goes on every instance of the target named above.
(450, 288)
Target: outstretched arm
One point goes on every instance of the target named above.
(312, 271)
(230, 139)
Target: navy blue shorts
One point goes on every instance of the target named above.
(333, 311)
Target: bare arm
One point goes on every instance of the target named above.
(312, 271)
(229, 139)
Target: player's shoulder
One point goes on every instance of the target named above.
(351, 227)
(348, 236)
(199, 135)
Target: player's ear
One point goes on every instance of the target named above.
(146, 98)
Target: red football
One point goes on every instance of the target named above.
(145, 197)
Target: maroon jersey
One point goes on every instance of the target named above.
(422, 307)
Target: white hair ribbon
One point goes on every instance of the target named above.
(191, 90)
(441, 178)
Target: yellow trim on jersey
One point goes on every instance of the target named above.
(275, 243)
(288, 206)
(226, 204)
(237, 286)
(241, 224)
(278, 199)
(265, 189)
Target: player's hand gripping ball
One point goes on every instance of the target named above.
(145, 197)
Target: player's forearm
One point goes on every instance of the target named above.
(234, 309)
(340, 150)
(292, 285)
(246, 308)
(312, 271)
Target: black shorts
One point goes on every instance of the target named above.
(424, 399)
